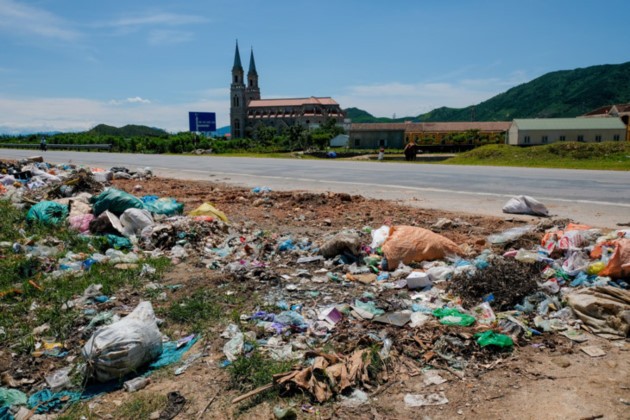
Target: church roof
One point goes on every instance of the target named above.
(237, 60)
(252, 64)
(292, 102)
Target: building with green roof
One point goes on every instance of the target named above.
(533, 131)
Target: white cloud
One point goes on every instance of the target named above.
(134, 100)
(384, 100)
(169, 37)
(18, 18)
(168, 19)
(28, 115)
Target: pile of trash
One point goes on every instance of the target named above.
(397, 299)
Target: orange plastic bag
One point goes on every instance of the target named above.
(413, 244)
(619, 264)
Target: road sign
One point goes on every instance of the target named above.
(203, 122)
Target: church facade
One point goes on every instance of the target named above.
(248, 111)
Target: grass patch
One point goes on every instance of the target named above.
(255, 370)
(205, 306)
(140, 406)
(30, 298)
(570, 155)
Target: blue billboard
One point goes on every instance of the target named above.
(203, 122)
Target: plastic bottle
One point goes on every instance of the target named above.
(136, 384)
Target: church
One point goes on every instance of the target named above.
(248, 111)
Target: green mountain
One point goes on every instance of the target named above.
(360, 116)
(127, 131)
(559, 94)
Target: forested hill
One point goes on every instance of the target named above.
(127, 131)
(566, 93)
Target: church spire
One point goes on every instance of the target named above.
(237, 59)
(252, 64)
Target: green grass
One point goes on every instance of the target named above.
(571, 155)
(206, 307)
(140, 406)
(35, 306)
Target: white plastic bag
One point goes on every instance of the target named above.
(134, 220)
(524, 204)
(379, 236)
(124, 346)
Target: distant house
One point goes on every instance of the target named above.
(396, 135)
(618, 110)
(527, 132)
(340, 140)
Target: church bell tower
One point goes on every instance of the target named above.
(238, 98)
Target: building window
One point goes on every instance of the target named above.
(598, 139)
(381, 142)
(357, 142)
(580, 138)
(544, 139)
(526, 140)
(563, 138)
(616, 137)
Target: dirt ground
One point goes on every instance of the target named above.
(545, 377)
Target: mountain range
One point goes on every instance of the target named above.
(559, 94)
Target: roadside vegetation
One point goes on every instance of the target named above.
(28, 299)
(570, 155)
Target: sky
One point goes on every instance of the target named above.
(68, 65)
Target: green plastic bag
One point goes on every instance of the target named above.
(167, 206)
(490, 338)
(10, 397)
(450, 316)
(118, 242)
(48, 212)
(116, 201)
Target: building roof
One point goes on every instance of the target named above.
(237, 59)
(605, 110)
(488, 126)
(569, 123)
(432, 127)
(292, 102)
(252, 64)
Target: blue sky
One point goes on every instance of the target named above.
(68, 65)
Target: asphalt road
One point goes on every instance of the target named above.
(599, 198)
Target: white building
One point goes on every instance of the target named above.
(525, 132)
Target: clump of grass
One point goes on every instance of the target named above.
(140, 406)
(205, 306)
(254, 370)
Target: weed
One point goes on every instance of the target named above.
(254, 370)
(206, 305)
(140, 406)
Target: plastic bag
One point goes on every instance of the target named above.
(47, 212)
(484, 314)
(619, 264)
(167, 205)
(207, 209)
(10, 397)
(134, 220)
(510, 235)
(116, 201)
(379, 236)
(345, 241)
(409, 244)
(81, 222)
(124, 346)
(523, 204)
(490, 338)
(450, 316)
